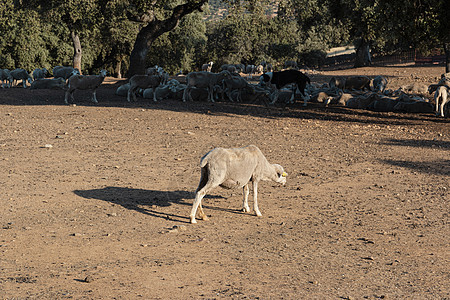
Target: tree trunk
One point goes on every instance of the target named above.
(76, 50)
(155, 28)
(118, 68)
(447, 57)
(363, 58)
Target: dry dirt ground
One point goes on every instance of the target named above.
(95, 199)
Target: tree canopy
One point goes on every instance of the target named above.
(125, 36)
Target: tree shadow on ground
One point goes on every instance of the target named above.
(149, 202)
(419, 143)
(441, 167)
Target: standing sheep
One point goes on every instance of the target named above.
(21, 74)
(81, 82)
(441, 98)
(39, 73)
(5, 75)
(143, 82)
(236, 167)
(64, 72)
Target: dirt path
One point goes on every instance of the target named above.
(91, 195)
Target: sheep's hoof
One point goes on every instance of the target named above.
(246, 209)
(193, 221)
(258, 214)
(205, 218)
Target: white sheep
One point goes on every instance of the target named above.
(235, 167)
(5, 76)
(142, 82)
(441, 98)
(21, 74)
(39, 73)
(82, 82)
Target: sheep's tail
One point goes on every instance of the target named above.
(205, 159)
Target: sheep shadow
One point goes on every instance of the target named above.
(148, 202)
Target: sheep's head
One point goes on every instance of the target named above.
(281, 174)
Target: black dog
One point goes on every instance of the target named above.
(282, 78)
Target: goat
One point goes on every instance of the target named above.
(43, 83)
(64, 72)
(39, 73)
(81, 82)
(143, 82)
(21, 74)
(5, 75)
(441, 98)
(283, 78)
(236, 167)
(207, 67)
(204, 80)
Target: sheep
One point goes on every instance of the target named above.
(21, 74)
(236, 83)
(413, 107)
(204, 80)
(64, 72)
(357, 83)
(207, 67)
(338, 82)
(235, 167)
(250, 69)
(5, 76)
(260, 69)
(39, 73)
(81, 82)
(230, 68)
(379, 84)
(143, 82)
(415, 88)
(43, 83)
(441, 98)
(160, 93)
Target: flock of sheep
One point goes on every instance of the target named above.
(354, 92)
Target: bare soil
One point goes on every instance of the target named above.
(96, 199)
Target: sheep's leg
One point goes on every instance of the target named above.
(275, 98)
(443, 101)
(436, 100)
(210, 94)
(66, 96)
(198, 199)
(94, 98)
(255, 199)
(246, 191)
(185, 94)
(202, 213)
(24, 83)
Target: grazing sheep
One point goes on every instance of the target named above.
(5, 76)
(441, 98)
(143, 82)
(21, 74)
(39, 73)
(207, 67)
(204, 80)
(379, 84)
(236, 83)
(64, 72)
(43, 83)
(231, 168)
(81, 82)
